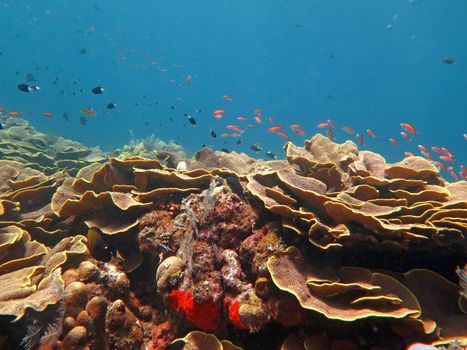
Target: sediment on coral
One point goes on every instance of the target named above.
(332, 242)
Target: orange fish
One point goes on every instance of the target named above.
(446, 152)
(409, 154)
(299, 131)
(348, 130)
(258, 119)
(447, 159)
(241, 118)
(441, 165)
(271, 119)
(235, 134)
(322, 125)
(234, 128)
(218, 116)
(2, 110)
(360, 139)
(330, 134)
(275, 128)
(14, 114)
(331, 123)
(422, 148)
(454, 175)
(394, 142)
(218, 112)
(409, 128)
(294, 126)
(250, 126)
(48, 114)
(283, 135)
(426, 154)
(406, 136)
(437, 149)
(371, 133)
(88, 111)
(227, 98)
(225, 134)
(257, 111)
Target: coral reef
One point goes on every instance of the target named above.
(330, 248)
(44, 152)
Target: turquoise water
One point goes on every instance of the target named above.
(365, 64)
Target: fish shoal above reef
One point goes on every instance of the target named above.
(129, 252)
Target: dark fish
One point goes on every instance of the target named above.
(449, 60)
(2, 125)
(330, 97)
(83, 50)
(65, 116)
(198, 110)
(239, 141)
(111, 105)
(270, 155)
(256, 147)
(173, 107)
(235, 185)
(191, 119)
(97, 245)
(213, 133)
(30, 77)
(83, 121)
(98, 90)
(225, 150)
(28, 88)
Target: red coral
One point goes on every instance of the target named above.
(234, 316)
(204, 315)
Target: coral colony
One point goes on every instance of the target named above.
(329, 248)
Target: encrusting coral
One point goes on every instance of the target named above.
(332, 242)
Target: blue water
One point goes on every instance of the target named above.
(365, 64)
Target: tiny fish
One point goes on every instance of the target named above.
(258, 119)
(283, 135)
(360, 139)
(213, 133)
(227, 98)
(322, 125)
(225, 150)
(28, 88)
(371, 133)
(14, 114)
(422, 148)
(65, 116)
(437, 149)
(219, 112)
(426, 154)
(111, 105)
(449, 60)
(406, 136)
(408, 127)
(447, 159)
(239, 141)
(330, 123)
(241, 118)
(271, 155)
(88, 111)
(83, 121)
(275, 128)
(299, 131)
(294, 126)
(2, 125)
(191, 119)
(330, 134)
(256, 147)
(409, 154)
(48, 114)
(97, 90)
(394, 142)
(348, 130)
(234, 128)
